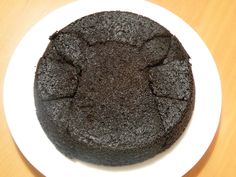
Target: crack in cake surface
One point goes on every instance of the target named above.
(138, 73)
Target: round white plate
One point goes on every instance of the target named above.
(33, 143)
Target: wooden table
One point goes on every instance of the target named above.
(215, 22)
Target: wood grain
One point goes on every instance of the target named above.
(215, 22)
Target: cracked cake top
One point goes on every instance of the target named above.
(113, 88)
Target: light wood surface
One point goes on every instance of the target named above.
(215, 22)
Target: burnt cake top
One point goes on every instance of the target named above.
(113, 80)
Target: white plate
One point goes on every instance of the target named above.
(33, 143)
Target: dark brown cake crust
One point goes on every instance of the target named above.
(114, 88)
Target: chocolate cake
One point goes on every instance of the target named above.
(113, 88)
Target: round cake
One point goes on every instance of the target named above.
(113, 88)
